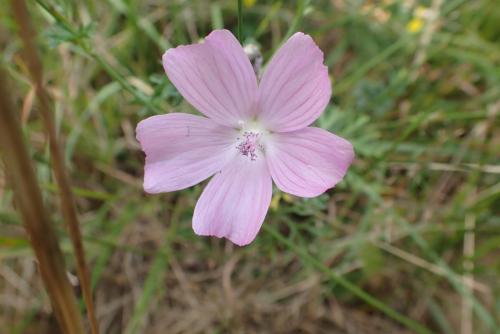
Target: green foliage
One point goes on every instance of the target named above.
(421, 111)
(58, 34)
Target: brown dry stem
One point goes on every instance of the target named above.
(28, 198)
(30, 55)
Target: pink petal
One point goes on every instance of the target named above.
(216, 77)
(235, 201)
(182, 150)
(295, 88)
(309, 161)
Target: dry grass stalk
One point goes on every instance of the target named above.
(30, 55)
(467, 326)
(28, 198)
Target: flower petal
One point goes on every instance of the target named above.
(295, 88)
(216, 77)
(309, 161)
(182, 150)
(235, 202)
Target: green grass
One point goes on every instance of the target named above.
(384, 250)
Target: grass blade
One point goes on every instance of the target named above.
(369, 299)
(27, 34)
(240, 20)
(28, 197)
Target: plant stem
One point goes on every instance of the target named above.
(301, 6)
(240, 20)
(28, 198)
(30, 55)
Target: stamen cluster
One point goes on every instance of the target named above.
(249, 144)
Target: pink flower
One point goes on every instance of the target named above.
(253, 133)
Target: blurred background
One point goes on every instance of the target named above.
(415, 224)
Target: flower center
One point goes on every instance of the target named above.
(249, 144)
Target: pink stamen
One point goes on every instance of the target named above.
(249, 144)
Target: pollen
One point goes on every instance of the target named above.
(248, 144)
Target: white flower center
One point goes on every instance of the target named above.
(250, 142)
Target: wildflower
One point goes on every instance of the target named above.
(415, 25)
(249, 3)
(253, 133)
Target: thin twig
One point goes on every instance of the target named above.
(28, 198)
(27, 34)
